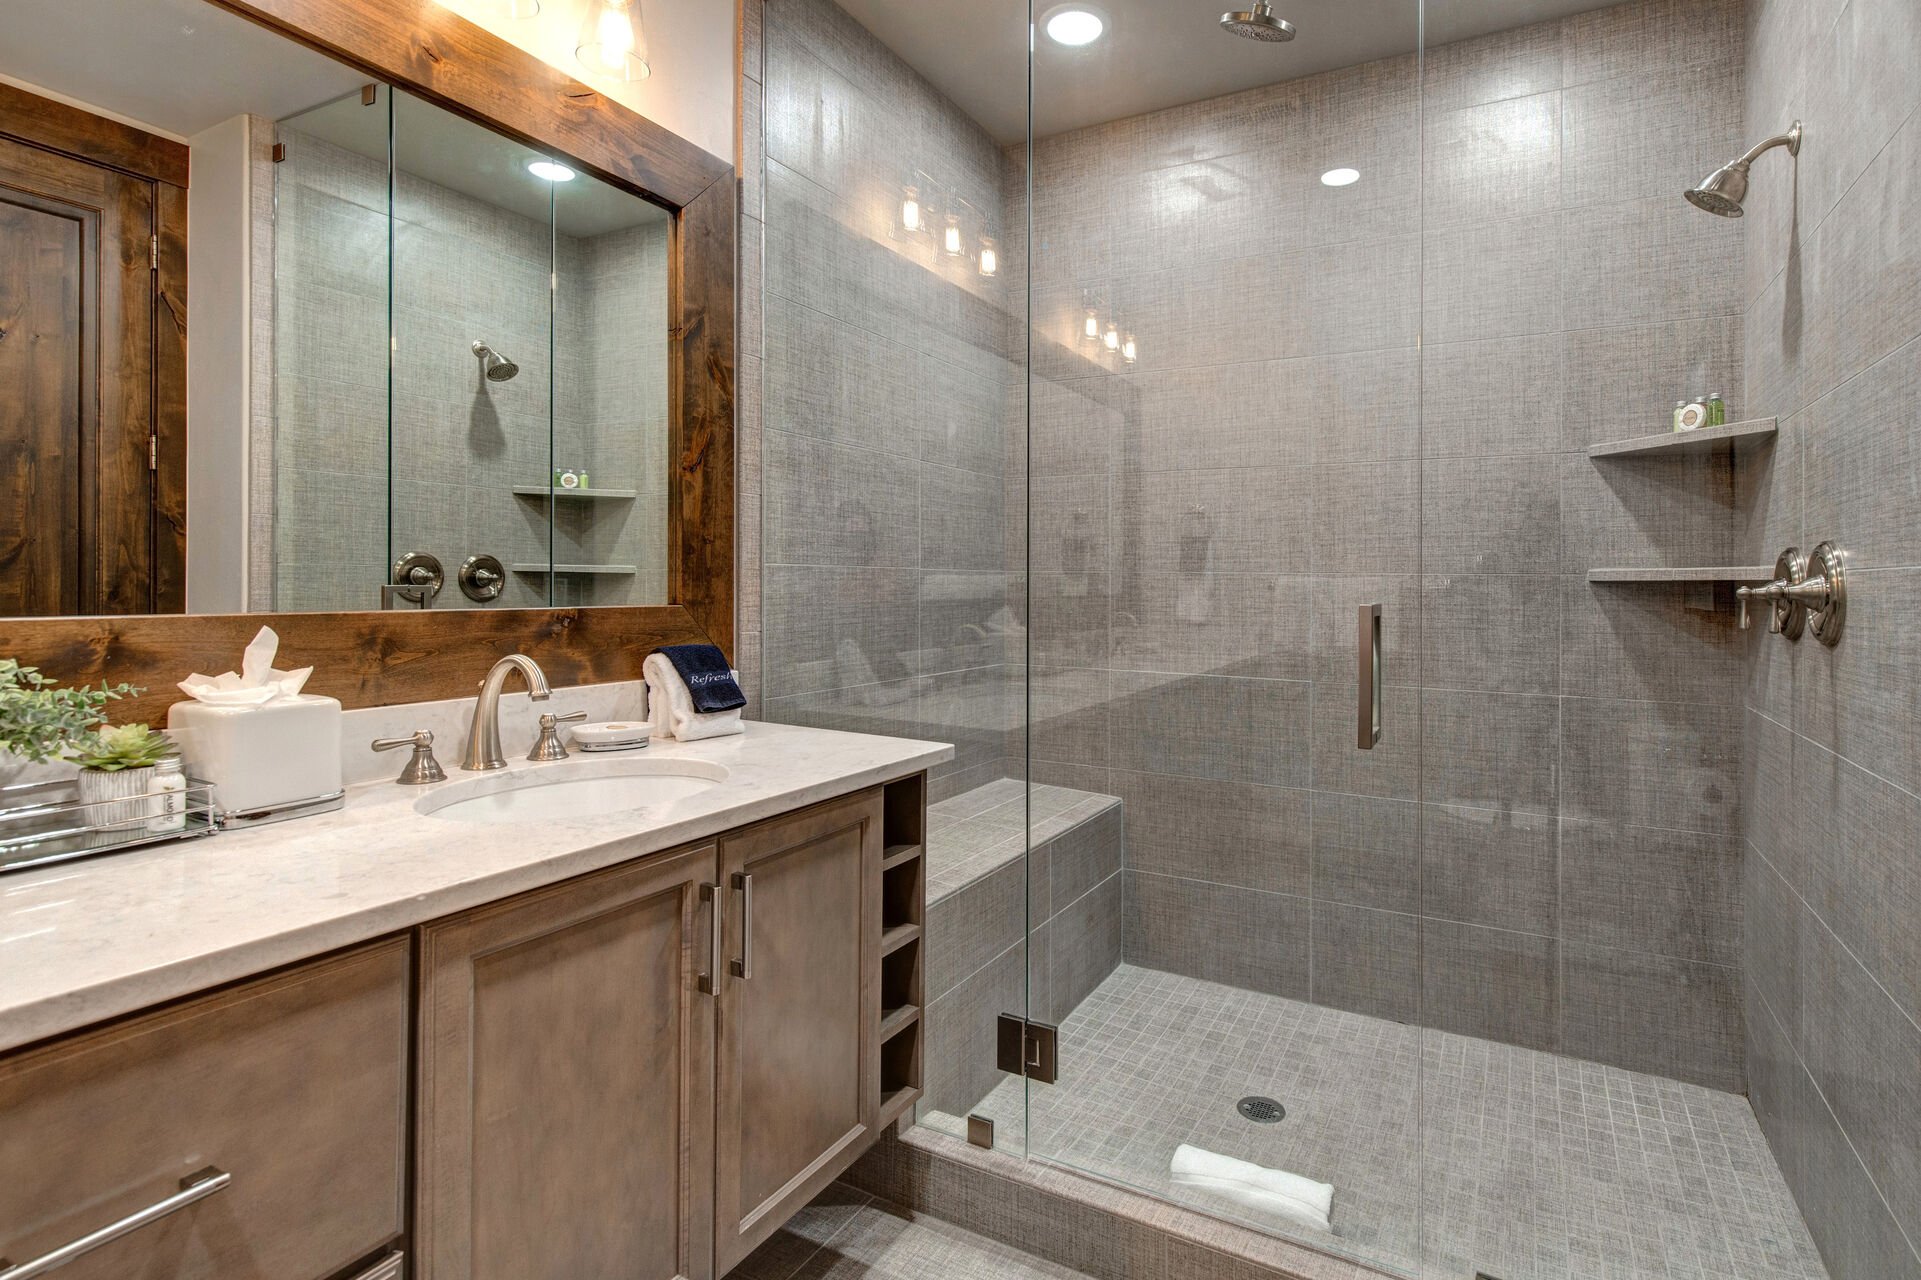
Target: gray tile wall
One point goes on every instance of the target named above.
(459, 444)
(1545, 849)
(1831, 865)
(875, 589)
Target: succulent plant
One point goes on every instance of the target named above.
(39, 721)
(125, 746)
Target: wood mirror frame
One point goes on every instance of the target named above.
(375, 658)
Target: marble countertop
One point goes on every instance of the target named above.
(94, 939)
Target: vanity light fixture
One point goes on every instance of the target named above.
(990, 260)
(951, 238)
(1073, 26)
(548, 171)
(1111, 336)
(610, 43)
(1091, 326)
(1340, 177)
(910, 214)
(1129, 352)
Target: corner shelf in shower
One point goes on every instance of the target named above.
(607, 570)
(542, 491)
(1700, 440)
(1687, 573)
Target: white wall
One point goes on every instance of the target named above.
(218, 237)
(690, 46)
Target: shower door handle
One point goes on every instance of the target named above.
(1368, 708)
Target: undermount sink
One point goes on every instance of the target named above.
(571, 789)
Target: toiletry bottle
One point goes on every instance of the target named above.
(167, 806)
(1691, 415)
(1680, 407)
(1717, 410)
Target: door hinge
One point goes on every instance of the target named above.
(1031, 1049)
(153, 452)
(153, 255)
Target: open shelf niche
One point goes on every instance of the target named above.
(903, 898)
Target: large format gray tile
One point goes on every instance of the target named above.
(1861, 1050)
(1650, 1013)
(1863, 452)
(1219, 933)
(1232, 833)
(1655, 764)
(1668, 893)
(1367, 961)
(1489, 983)
(1863, 867)
(1492, 867)
(1367, 851)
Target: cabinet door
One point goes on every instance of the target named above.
(566, 1083)
(294, 1086)
(799, 1005)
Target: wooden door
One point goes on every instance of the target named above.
(799, 1082)
(76, 386)
(566, 1081)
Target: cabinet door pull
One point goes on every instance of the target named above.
(743, 968)
(194, 1187)
(710, 981)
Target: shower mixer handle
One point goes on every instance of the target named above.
(1786, 616)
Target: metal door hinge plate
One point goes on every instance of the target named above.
(1030, 1049)
(980, 1131)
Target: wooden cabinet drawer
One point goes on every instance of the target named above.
(294, 1084)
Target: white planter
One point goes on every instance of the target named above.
(119, 799)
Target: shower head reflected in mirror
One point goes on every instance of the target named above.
(1723, 191)
(1258, 23)
(496, 367)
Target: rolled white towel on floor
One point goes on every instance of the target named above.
(670, 708)
(1254, 1186)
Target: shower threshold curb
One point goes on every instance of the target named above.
(1079, 1220)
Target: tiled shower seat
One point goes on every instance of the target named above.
(981, 893)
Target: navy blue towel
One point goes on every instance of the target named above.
(703, 669)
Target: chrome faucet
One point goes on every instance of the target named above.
(483, 740)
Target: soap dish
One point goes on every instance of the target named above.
(611, 735)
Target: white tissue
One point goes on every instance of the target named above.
(255, 684)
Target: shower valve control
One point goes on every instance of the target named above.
(1807, 591)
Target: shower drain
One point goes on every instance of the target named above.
(1261, 1110)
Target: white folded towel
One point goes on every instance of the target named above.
(1254, 1186)
(670, 708)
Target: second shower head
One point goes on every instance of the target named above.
(496, 367)
(1258, 23)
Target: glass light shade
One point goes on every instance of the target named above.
(1091, 326)
(910, 210)
(1129, 352)
(990, 257)
(610, 42)
(951, 240)
(1074, 27)
(1111, 337)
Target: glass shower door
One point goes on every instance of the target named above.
(1224, 447)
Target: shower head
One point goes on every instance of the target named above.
(496, 367)
(1722, 192)
(1258, 23)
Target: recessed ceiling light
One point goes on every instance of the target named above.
(1340, 177)
(550, 171)
(1074, 27)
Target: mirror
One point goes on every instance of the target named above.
(274, 338)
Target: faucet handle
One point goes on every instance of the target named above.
(422, 768)
(549, 746)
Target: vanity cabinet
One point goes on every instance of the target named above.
(294, 1086)
(799, 1079)
(567, 1080)
(645, 1071)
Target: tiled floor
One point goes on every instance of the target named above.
(1522, 1164)
(848, 1235)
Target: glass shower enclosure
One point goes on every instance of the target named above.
(1194, 430)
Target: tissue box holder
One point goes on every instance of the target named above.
(266, 763)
